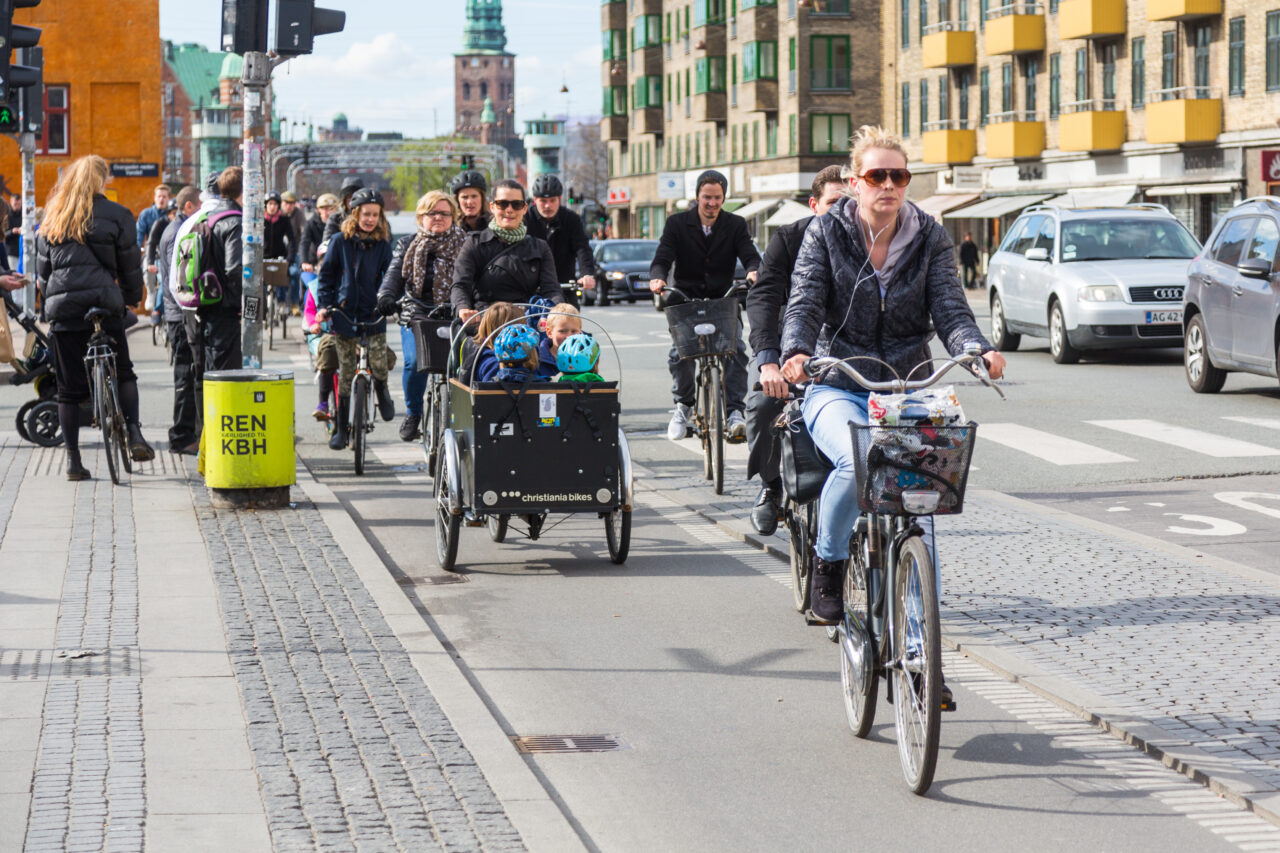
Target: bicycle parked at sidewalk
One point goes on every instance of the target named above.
(100, 362)
(890, 628)
(707, 330)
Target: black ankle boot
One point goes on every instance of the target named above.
(386, 406)
(338, 440)
(139, 450)
(75, 470)
(825, 599)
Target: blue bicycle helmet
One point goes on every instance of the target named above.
(578, 354)
(515, 343)
(539, 307)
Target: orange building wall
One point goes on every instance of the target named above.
(110, 55)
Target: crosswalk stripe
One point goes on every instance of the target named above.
(1189, 439)
(1265, 423)
(1047, 446)
(732, 452)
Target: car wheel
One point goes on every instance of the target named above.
(1001, 338)
(1202, 375)
(1059, 345)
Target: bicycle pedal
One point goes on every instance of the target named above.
(811, 619)
(742, 440)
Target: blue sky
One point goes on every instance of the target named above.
(392, 65)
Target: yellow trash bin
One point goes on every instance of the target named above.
(248, 432)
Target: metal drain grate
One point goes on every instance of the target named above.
(431, 580)
(569, 743)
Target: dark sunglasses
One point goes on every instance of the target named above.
(877, 177)
(509, 203)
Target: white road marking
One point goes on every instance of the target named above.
(1249, 500)
(1218, 446)
(1265, 423)
(732, 452)
(1048, 446)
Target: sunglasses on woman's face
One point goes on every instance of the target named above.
(509, 203)
(877, 177)
(437, 214)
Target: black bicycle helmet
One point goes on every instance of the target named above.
(273, 197)
(470, 179)
(547, 186)
(367, 195)
(350, 185)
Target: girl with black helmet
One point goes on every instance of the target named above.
(352, 270)
(469, 189)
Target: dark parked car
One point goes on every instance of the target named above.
(624, 268)
(1231, 306)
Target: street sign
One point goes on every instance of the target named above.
(619, 195)
(135, 170)
(1270, 166)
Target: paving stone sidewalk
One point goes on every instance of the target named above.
(1169, 651)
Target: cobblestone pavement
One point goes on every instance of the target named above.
(351, 748)
(1186, 648)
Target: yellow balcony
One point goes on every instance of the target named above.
(1184, 114)
(947, 142)
(1090, 19)
(1016, 28)
(945, 47)
(1014, 135)
(1091, 126)
(1181, 10)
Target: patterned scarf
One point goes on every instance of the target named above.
(445, 248)
(509, 235)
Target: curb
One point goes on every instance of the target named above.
(1243, 789)
(531, 808)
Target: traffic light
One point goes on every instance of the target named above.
(31, 98)
(572, 196)
(14, 77)
(9, 120)
(468, 161)
(244, 26)
(298, 22)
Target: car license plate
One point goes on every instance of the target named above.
(1154, 317)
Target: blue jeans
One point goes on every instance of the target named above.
(827, 413)
(415, 383)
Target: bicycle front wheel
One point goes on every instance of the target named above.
(105, 413)
(858, 674)
(359, 419)
(917, 664)
(716, 428)
(702, 420)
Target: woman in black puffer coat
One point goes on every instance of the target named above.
(87, 257)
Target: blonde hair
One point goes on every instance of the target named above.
(69, 213)
(351, 225)
(872, 136)
(495, 317)
(563, 313)
(429, 201)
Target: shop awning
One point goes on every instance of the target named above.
(730, 204)
(791, 211)
(1096, 197)
(1192, 189)
(755, 208)
(994, 208)
(936, 205)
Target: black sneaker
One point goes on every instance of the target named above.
(826, 604)
(386, 406)
(409, 428)
(764, 516)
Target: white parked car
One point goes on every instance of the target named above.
(1090, 278)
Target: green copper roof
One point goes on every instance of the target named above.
(484, 31)
(232, 66)
(486, 113)
(197, 69)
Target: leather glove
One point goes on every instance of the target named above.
(387, 306)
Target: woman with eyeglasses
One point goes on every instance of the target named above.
(422, 266)
(503, 263)
(876, 276)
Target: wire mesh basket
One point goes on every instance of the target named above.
(683, 319)
(915, 458)
(431, 339)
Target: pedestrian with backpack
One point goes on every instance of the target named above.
(353, 268)
(87, 257)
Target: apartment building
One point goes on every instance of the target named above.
(1090, 101)
(766, 91)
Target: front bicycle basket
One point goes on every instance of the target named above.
(683, 319)
(431, 340)
(916, 458)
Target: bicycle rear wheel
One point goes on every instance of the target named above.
(917, 656)
(122, 434)
(800, 522)
(858, 674)
(104, 412)
(617, 534)
(716, 428)
(497, 525)
(359, 418)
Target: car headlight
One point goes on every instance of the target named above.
(1101, 293)
(617, 276)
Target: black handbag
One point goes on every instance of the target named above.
(804, 467)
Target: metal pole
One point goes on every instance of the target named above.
(256, 78)
(27, 146)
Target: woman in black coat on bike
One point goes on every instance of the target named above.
(87, 257)
(422, 267)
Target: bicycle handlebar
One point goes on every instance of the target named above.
(971, 358)
(434, 311)
(361, 325)
(735, 289)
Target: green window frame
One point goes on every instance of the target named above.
(751, 4)
(759, 61)
(791, 54)
(1273, 51)
(646, 92)
(1235, 54)
(1138, 72)
(755, 139)
(1055, 84)
(614, 102)
(733, 144)
(647, 32)
(708, 75)
(829, 133)
(614, 44)
(829, 62)
(666, 30)
(708, 12)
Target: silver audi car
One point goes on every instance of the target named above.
(1090, 278)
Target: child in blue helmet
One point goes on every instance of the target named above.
(516, 348)
(577, 359)
(562, 322)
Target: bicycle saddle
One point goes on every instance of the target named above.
(96, 314)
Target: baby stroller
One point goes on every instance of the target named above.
(37, 420)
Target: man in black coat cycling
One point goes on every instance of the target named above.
(548, 219)
(705, 243)
(766, 300)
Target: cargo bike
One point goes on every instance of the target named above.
(512, 455)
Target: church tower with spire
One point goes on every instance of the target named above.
(484, 79)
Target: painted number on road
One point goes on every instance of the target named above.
(1212, 526)
(1248, 500)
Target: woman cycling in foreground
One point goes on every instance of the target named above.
(885, 303)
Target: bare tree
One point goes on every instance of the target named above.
(588, 170)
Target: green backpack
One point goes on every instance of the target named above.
(197, 283)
